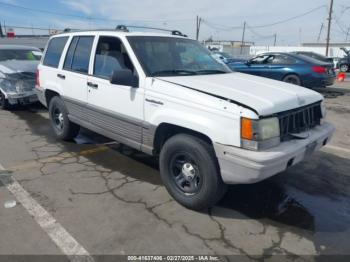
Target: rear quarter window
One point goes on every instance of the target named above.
(54, 51)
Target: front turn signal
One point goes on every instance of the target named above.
(246, 128)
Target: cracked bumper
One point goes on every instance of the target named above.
(240, 166)
(23, 99)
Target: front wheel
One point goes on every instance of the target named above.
(292, 79)
(63, 128)
(344, 68)
(190, 172)
(4, 104)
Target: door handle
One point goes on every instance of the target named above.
(92, 85)
(61, 76)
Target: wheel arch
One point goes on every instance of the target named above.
(165, 131)
(49, 94)
(292, 74)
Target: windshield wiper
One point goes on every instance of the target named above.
(175, 72)
(211, 71)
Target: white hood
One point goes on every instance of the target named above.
(264, 95)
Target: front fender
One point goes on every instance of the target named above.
(218, 128)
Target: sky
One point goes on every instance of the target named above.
(222, 19)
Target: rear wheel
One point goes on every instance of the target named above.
(344, 68)
(190, 172)
(292, 79)
(63, 128)
(4, 104)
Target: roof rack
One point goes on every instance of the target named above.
(173, 32)
(124, 28)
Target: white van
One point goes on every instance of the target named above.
(167, 96)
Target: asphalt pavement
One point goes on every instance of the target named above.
(95, 197)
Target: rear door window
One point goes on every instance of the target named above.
(282, 60)
(78, 55)
(54, 51)
(69, 57)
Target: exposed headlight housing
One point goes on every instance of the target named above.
(260, 134)
(8, 85)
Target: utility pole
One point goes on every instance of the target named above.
(243, 35)
(319, 35)
(274, 42)
(329, 26)
(1, 33)
(198, 26)
(347, 35)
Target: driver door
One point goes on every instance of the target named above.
(258, 66)
(114, 110)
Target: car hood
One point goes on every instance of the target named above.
(18, 66)
(264, 95)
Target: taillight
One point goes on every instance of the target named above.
(37, 81)
(319, 69)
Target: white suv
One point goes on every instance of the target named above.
(166, 96)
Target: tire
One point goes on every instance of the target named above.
(292, 79)
(190, 172)
(344, 68)
(4, 104)
(63, 128)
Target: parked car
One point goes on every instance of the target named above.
(315, 56)
(290, 68)
(226, 58)
(344, 63)
(18, 65)
(168, 97)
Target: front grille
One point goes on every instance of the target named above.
(299, 120)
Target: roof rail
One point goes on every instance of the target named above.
(122, 28)
(173, 32)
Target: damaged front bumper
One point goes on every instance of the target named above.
(24, 98)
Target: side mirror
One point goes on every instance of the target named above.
(248, 63)
(124, 77)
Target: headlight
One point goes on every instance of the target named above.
(8, 85)
(260, 134)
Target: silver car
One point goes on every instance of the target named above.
(17, 74)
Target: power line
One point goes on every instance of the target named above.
(339, 25)
(86, 17)
(291, 18)
(258, 34)
(226, 28)
(220, 27)
(41, 10)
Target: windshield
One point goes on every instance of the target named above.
(170, 56)
(16, 54)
